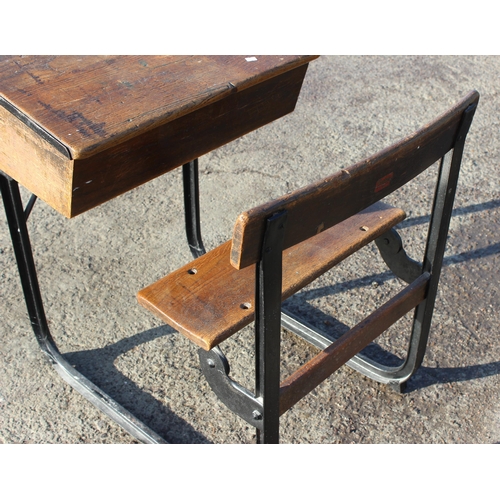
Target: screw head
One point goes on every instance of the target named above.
(257, 415)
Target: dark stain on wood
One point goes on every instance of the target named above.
(76, 118)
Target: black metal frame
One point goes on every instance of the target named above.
(17, 218)
(262, 409)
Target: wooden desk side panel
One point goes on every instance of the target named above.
(116, 170)
(34, 163)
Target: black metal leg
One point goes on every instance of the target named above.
(192, 207)
(268, 328)
(16, 218)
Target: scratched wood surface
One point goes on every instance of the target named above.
(208, 300)
(114, 122)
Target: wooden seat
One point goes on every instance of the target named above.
(280, 247)
(208, 300)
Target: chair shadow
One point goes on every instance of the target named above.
(99, 367)
(424, 376)
(469, 209)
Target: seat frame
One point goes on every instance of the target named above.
(271, 399)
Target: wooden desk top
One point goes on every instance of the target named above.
(78, 131)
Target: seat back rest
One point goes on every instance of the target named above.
(327, 202)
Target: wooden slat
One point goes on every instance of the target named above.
(326, 202)
(310, 375)
(209, 300)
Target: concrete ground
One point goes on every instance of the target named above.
(91, 267)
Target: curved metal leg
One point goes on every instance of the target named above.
(16, 218)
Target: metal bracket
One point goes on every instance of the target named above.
(391, 249)
(239, 400)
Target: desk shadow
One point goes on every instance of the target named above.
(98, 366)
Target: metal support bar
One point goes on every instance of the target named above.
(16, 219)
(268, 326)
(29, 206)
(192, 207)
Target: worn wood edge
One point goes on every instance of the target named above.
(273, 72)
(256, 216)
(64, 201)
(45, 134)
(35, 163)
(188, 105)
(324, 364)
(147, 298)
(153, 145)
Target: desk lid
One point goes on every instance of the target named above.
(85, 104)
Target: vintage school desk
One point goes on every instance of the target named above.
(78, 131)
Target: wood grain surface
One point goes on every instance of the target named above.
(116, 122)
(90, 103)
(208, 300)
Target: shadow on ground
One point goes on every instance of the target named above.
(98, 365)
